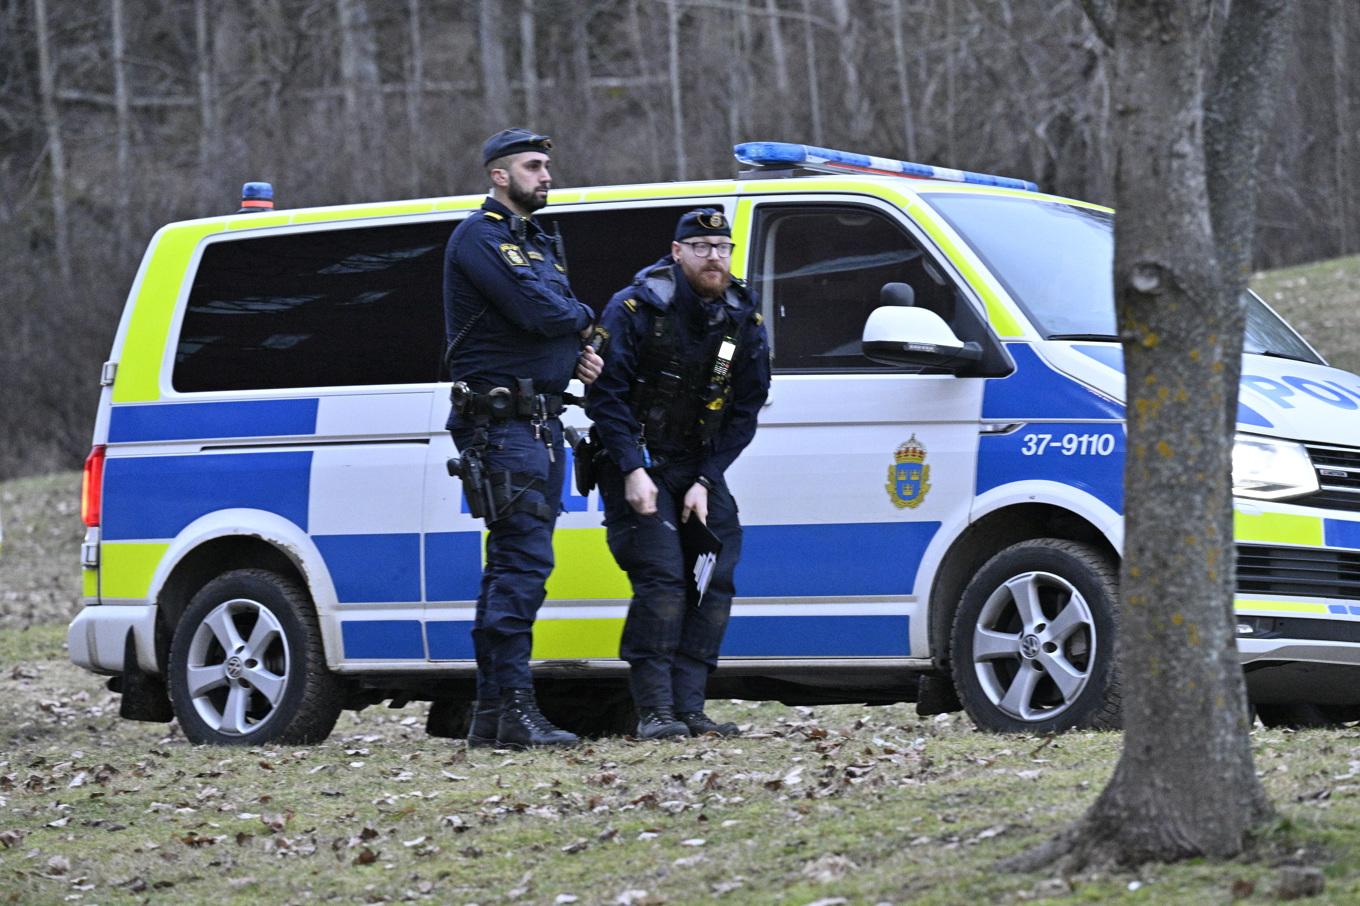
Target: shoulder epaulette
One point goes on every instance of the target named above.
(493, 215)
(630, 303)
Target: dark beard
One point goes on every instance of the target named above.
(525, 200)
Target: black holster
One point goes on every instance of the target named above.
(584, 450)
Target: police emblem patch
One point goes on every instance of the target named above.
(512, 255)
(908, 476)
(714, 221)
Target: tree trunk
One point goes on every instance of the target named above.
(122, 127)
(814, 90)
(850, 39)
(1185, 785)
(415, 87)
(1345, 133)
(363, 108)
(528, 63)
(903, 85)
(639, 46)
(673, 65)
(207, 189)
(495, 79)
(56, 152)
(778, 56)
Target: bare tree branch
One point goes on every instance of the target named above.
(1101, 14)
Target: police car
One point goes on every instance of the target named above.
(932, 504)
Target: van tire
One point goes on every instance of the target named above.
(274, 687)
(1009, 687)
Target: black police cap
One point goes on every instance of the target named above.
(703, 222)
(514, 141)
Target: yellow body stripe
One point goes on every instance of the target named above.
(660, 190)
(741, 235)
(1281, 606)
(1006, 325)
(139, 363)
(585, 569)
(127, 568)
(89, 583)
(361, 212)
(258, 221)
(1278, 528)
(573, 639)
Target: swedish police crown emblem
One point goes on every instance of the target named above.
(908, 476)
(714, 220)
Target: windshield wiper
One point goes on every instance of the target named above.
(1111, 338)
(1279, 355)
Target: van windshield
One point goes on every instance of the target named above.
(1057, 261)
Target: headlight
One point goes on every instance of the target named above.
(1271, 469)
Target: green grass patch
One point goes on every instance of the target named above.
(1321, 301)
(40, 560)
(866, 804)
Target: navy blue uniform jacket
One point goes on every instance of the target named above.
(530, 321)
(654, 288)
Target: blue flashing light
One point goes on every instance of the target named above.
(829, 160)
(257, 190)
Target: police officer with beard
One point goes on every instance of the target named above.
(516, 336)
(687, 368)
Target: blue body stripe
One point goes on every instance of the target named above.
(1338, 533)
(184, 421)
(450, 640)
(453, 566)
(157, 496)
(1113, 357)
(874, 558)
(747, 636)
(372, 568)
(385, 639)
(1001, 460)
(822, 636)
(1034, 390)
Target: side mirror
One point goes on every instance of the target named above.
(915, 337)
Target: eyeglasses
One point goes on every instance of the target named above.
(704, 249)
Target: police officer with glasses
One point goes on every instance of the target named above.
(686, 370)
(516, 336)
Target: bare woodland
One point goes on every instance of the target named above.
(117, 116)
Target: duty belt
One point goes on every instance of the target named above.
(501, 403)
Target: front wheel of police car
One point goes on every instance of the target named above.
(247, 665)
(1034, 637)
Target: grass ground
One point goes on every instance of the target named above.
(829, 805)
(1322, 301)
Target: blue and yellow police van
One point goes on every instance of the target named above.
(932, 503)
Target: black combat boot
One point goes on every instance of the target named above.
(700, 724)
(658, 723)
(484, 728)
(523, 726)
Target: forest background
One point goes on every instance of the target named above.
(118, 116)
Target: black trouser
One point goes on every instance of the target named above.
(670, 645)
(519, 552)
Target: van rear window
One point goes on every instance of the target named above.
(321, 309)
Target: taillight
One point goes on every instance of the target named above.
(92, 488)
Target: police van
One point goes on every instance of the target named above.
(932, 503)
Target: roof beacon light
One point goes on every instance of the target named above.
(828, 160)
(256, 197)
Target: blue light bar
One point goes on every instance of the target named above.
(828, 160)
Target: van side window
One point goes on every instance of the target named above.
(819, 270)
(606, 248)
(328, 308)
